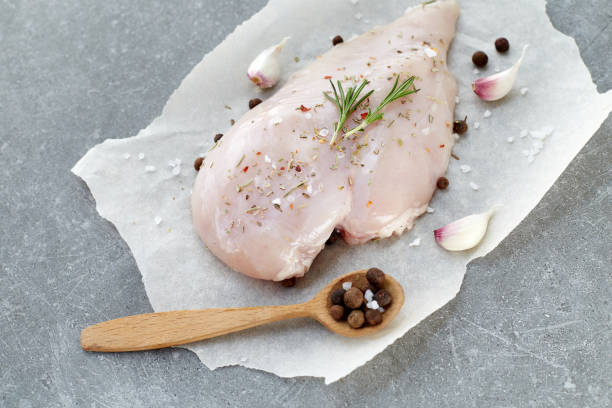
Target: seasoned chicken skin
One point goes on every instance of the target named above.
(272, 190)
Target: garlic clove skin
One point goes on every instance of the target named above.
(265, 69)
(496, 86)
(465, 233)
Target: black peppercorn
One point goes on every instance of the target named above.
(460, 126)
(502, 44)
(218, 137)
(480, 59)
(287, 283)
(337, 296)
(353, 298)
(373, 317)
(442, 183)
(337, 40)
(198, 163)
(383, 298)
(337, 312)
(335, 236)
(356, 319)
(375, 276)
(254, 102)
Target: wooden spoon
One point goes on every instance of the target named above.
(158, 330)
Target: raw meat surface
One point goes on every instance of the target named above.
(271, 192)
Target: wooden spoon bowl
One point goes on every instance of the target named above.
(165, 329)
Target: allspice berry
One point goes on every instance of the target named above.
(383, 298)
(335, 236)
(502, 44)
(254, 102)
(442, 183)
(480, 59)
(218, 137)
(198, 163)
(288, 283)
(356, 319)
(460, 126)
(337, 312)
(337, 297)
(373, 317)
(353, 298)
(337, 40)
(375, 276)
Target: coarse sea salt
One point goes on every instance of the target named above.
(381, 309)
(277, 201)
(358, 16)
(457, 100)
(368, 295)
(324, 132)
(456, 137)
(150, 169)
(476, 71)
(425, 131)
(487, 113)
(524, 132)
(372, 305)
(141, 156)
(465, 168)
(476, 125)
(126, 156)
(308, 115)
(347, 285)
(474, 186)
(524, 91)
(415, 242)
(430, 210)
(510, 139)
(430, 52)
(354, 2)
(158, 220)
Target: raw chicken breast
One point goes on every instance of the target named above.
(271, 192)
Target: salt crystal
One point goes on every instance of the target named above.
(372, 305)
(569, 385)
(126, 156)
(476, 71)
(277, 200)
(150, 169)
(416, 242)
(308, 115)
(277, 121)
(347, 285)
(176, 171)
(530, 159)
(324, 132)
(465, 168)
(174, 163)
(456, 100)
(358, 16)
(525, 152)
(381, 309)
(497, 69)
(536, 134)
(548, 130)
(243, 360)
(538, 144)
(456, 137)
(430, 52)
(354, 2)
(510, 139)
(425, 131)
(476, 125)
(140, 156)
(368, 295)
(158, 220)
(430, 210)
(487, 113)
(524, 91)
(474, 186)
(524, 133)
(267, 159)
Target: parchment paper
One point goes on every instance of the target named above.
(180, 273)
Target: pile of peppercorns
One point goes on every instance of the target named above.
(361, 300)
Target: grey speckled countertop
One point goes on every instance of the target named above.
(530, 328)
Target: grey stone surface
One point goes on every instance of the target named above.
(530, 328)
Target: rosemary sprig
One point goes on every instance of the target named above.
(346, 103)
(394, 94)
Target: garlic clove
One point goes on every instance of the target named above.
(464, 233)
(265, 69)
(496, 86)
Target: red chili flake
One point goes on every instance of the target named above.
(282, 168)
(442, 146)
(369, 203)
(245, 169)
(291, 206)
(304, 109)
(259, 153)
(360, 75)
(364, 115)
(327, 77)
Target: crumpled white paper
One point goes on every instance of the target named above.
(150, 204)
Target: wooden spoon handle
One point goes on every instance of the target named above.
(158, 330)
